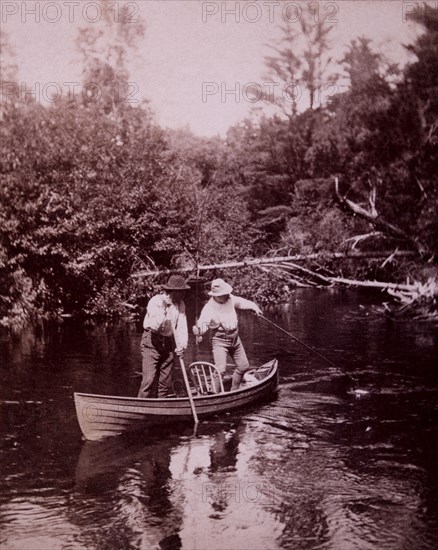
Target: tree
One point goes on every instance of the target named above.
(382, 141)
(300, 62)
(9, 89)
(418, 109)
(105, 47)
(8, 66)
(87, 194)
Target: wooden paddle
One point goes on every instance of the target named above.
(189, 392)
(186, 382)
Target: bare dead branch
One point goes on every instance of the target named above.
(376, 220)
(359, 238)
(370, 284)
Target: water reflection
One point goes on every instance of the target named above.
(172, 490)
(128, 480)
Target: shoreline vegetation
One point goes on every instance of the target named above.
(99, 203)
(412, 300)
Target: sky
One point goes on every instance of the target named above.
(197, 58)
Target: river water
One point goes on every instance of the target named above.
(318, 467)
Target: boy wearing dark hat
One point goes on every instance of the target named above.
(165, 333)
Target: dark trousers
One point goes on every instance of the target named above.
(157, 362)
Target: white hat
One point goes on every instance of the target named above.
(220, 288)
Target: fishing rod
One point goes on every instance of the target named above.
(309, 348)
(198, 245)
(200, 207)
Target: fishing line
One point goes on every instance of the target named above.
(310, 349)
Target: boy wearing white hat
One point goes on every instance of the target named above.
(219, 315)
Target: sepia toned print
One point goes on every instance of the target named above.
(218, 274)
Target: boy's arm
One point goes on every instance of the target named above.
(203, 322)
(243, 303)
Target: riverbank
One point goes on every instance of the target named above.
(266, 283)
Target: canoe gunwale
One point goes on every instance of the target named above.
(157, 400)
(101, 416)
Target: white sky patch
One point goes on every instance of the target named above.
(197, 58)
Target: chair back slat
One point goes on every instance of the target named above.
(199, 385)
(205, 379)
(205, 376)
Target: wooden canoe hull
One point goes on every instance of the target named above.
(102, 416)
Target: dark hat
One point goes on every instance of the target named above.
(176, 282)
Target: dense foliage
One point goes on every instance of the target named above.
(93, 190)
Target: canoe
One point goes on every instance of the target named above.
(101, 416)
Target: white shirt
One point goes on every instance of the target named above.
(214, 314)
(163, 316)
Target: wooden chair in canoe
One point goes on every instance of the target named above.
(205, 377)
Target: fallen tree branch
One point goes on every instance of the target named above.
(370, 284)
(290, 279)
(358, 238)
(274, 260)
(394, 289)
(387, 260)
(292, 266)
(420, 302)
